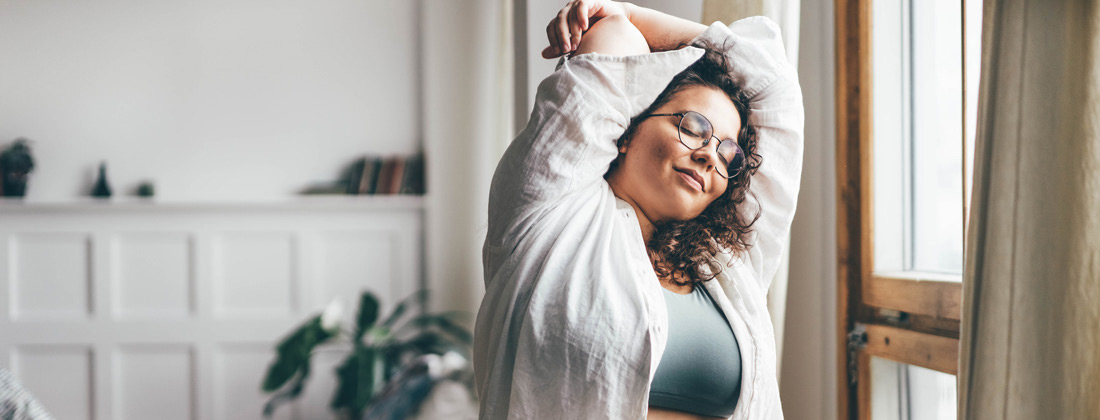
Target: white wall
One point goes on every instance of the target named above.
(467, 98)
(212, 99)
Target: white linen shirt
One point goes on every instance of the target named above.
(573, 322)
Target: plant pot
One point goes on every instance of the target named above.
(14, 184)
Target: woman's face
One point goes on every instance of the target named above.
(664, 178)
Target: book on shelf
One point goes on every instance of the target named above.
(385, 175)
(412, 181)
(355, 174)
(371, 167)
(398, 175)
(375, 175)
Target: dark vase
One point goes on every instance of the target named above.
(102, 189)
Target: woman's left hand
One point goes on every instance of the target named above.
(565, 30)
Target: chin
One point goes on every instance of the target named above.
(688, 212)
(684, 214)
(692, 216)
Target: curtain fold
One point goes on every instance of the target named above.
(1030, 332)
(786, 14)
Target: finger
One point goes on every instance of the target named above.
(552, 36)
(574, 30)
(582, 16)
(563, 28)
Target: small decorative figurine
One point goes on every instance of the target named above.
(146, 189)
(102, 189)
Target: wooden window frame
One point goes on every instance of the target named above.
(911, 318)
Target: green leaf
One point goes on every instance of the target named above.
(397, 312)
(391, 362)
(443, 322)
(356, 380)
(291, 393)
(367, 361)
(458, 331)
(427, 342)
(294, 352)
(279, 373)
(346, 383)
(418, 298)
(368, 314)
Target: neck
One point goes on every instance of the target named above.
(644, 221)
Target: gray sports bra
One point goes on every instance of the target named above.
(700, 371)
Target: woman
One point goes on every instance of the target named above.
(636, 222)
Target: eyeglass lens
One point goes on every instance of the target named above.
(696, 131)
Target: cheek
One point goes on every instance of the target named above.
(661, 154)
(649, 156)
(722, 187)
(715, 194)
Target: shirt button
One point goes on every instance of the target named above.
(626, 215)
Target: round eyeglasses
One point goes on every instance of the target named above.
(696, 131)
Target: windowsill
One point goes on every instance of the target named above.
(919, 276)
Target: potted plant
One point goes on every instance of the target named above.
(391, 365)
(16, 163)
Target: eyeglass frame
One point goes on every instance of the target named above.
(679, 136)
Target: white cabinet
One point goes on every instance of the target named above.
(138, 310)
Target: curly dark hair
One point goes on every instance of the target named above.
(683, 250)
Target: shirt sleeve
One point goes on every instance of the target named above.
(580, 111)
(755, 50)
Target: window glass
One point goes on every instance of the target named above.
(906, 392)
(891, 120)
(937, 148)
(920, 131)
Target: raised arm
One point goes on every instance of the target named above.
(662, 31)
(615, 28)
(580, 110)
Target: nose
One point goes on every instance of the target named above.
(707, 155)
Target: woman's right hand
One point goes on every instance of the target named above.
(565, 30)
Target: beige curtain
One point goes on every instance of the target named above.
(1031, 316)
(786, 14)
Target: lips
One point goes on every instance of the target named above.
(692, 177)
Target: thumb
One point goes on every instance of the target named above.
(548, 53)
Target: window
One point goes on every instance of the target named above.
(917, 393)
(916, 57)
(906, 93)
